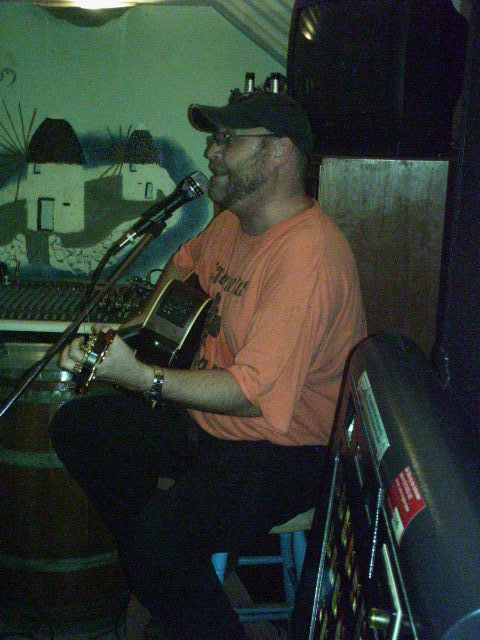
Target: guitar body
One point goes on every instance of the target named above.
(170, 334)
(167, 336)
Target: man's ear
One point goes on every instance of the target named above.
(283, 149)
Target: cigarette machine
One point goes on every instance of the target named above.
(394, 551)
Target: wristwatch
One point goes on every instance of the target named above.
(154, 394)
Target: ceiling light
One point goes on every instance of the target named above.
(91, 5)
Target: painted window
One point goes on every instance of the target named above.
(45, 214)
(148, 191)
(36, 168)
(132, 167)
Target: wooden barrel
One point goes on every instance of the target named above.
(57, 560)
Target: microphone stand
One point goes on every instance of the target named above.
(154, 230)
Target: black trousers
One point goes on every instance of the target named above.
(226, 494)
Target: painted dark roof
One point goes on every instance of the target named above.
(55, 141)
(140, 148)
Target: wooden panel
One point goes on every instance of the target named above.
(392, 212)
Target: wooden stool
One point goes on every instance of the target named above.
(292, 553)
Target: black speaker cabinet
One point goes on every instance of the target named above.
(457, 351)
(378, 77)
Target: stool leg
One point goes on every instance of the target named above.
(288, 566)
(299, 551)
(219, 561)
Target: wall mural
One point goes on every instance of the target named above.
(65, 197)
(7, 76)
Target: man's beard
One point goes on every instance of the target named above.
(240, 182)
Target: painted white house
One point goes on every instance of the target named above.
(55, 191)
(142, 177)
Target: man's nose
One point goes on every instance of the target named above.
(212, 149)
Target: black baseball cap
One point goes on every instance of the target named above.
(277, 112)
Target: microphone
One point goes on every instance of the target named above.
(191, 187)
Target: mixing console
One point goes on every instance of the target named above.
(51, 306)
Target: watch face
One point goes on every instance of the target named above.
(155, 391)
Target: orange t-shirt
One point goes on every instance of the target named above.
(286, 312)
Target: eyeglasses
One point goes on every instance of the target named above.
(223, 139)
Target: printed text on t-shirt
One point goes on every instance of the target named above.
(229, 284)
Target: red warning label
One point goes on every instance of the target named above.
(404, 502)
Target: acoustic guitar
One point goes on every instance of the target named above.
(168, 334)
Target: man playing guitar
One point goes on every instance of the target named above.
(243, 432)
